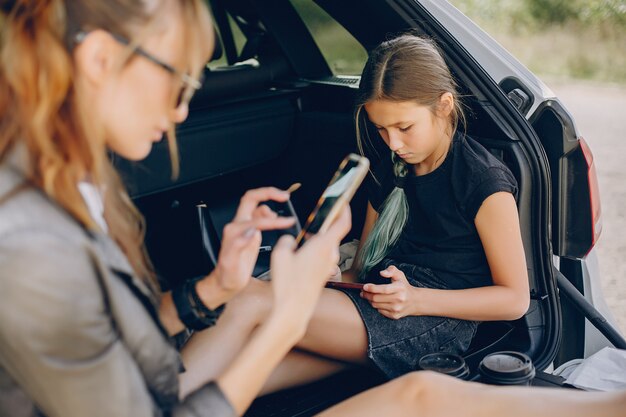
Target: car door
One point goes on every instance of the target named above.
(576, 221)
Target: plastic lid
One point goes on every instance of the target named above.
(445, 363)
(507, 368)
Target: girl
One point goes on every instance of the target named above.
(441, 246)
(83, 327)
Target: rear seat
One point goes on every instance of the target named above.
(212, 140)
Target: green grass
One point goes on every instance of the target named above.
(573, 39)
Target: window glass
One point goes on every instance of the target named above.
(240, 41)
(344, 54)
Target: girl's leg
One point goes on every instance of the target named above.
(208, 352)
(428, 394)
(414, 394)
(336, 330)
(300, 368)
(397, 398)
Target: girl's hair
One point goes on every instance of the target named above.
(40, 109)
(406, 68)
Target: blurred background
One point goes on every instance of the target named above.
(578, 48)
(576, 39)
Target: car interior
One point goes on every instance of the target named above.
(274, 115)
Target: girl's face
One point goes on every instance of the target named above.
(413, 132)
(134, 104)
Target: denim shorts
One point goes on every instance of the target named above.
(395, 346)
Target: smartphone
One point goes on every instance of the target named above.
(338, 193)
(345, 285)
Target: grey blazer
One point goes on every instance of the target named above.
(75, 338)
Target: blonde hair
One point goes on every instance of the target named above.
(39, 106)
(406, 68)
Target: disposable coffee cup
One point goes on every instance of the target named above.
(506, 368)
(445, 363)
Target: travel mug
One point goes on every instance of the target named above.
(445, 363)
(506, 368)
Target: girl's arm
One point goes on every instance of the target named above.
(370, 218)
(507, 299)
(497, 223)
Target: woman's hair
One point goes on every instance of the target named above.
(39, 108)
(406, 68)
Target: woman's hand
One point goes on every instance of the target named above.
(298, 276)
(395, 300)
(297, 280)
(335, 274)
(242, 237)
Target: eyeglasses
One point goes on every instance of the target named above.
(189, 84)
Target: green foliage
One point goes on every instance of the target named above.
(589, 12)
(546, 12)
(598, 11)
(552, 11)
(563, 38)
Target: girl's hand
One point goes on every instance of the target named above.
(298, 276)
(395, 300)
(242, 237)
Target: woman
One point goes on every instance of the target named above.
(84, 330)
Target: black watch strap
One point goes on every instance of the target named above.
(191, 311)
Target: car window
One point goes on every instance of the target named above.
(239, 39)
(344, 54)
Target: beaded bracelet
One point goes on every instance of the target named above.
(191, 310)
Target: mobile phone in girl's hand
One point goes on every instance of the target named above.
(345, 285)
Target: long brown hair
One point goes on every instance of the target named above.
(407, 68)
(39, 107)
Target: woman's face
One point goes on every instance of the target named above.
(134, 104)
(411, 131)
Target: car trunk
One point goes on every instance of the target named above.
(291, 120)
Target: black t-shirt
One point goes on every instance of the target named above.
(440, 233)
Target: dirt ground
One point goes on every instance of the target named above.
(599, 111)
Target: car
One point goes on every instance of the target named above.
(274, 111)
